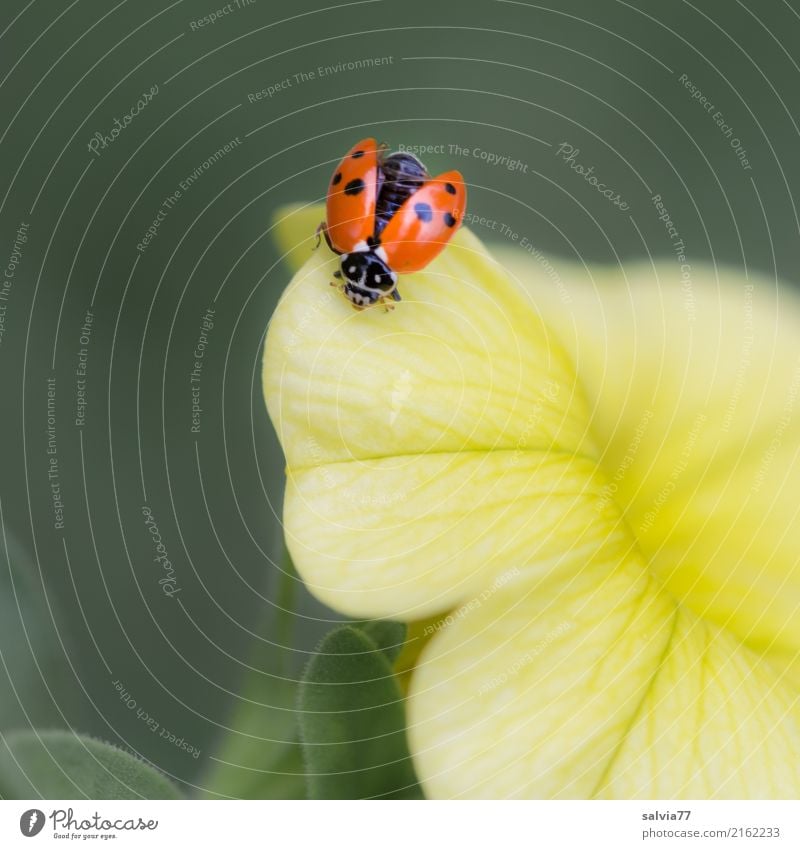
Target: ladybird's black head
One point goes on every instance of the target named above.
(367, 277)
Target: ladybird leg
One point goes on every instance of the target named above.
(337, 284)
(323, 229)
(396, 295)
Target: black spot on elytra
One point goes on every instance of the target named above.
(449, 219)
(354, 187)
(357, 154)
(337, 178)
(424, 211)
(450, 188)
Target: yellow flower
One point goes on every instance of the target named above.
(591, 478)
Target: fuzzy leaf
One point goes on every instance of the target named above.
(64, 765)
(387, 635)
(352, 718)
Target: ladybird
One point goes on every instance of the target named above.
(385, 216)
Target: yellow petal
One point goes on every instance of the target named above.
(600, 686)
(694, 394)
(717, 723)
(407, 537)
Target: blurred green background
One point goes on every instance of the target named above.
(82, 614)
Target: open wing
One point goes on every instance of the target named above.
(425, 223)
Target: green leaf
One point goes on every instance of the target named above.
(64, 765)
(352, 717)
(388, 636)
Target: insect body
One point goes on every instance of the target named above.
(386, 216)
